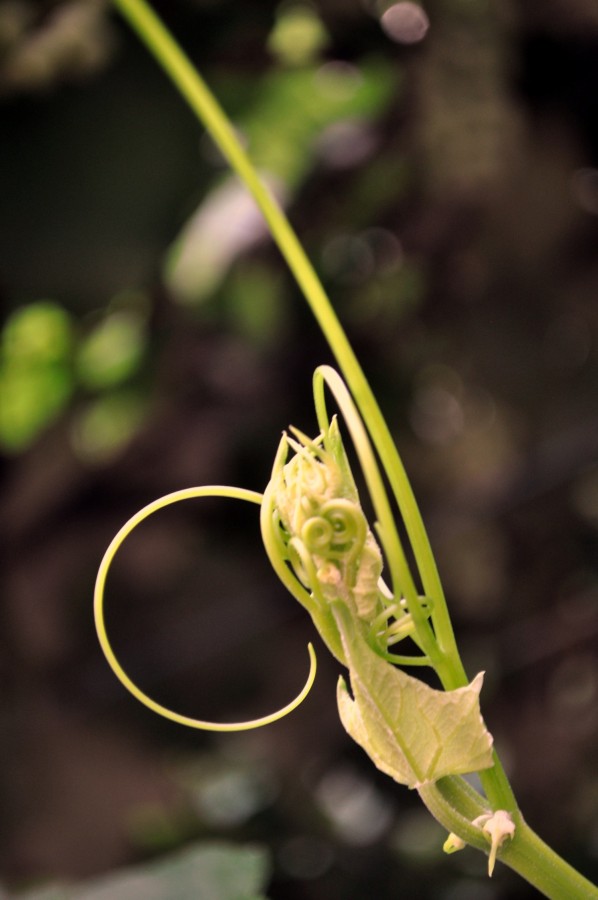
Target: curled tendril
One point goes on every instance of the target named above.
(337, 532)
(125, 531)
(349, 528)
(317, 534)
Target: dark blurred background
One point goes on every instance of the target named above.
(447, 191)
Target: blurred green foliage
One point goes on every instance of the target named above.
(293, 120)
(36, 373)
(298, 35)
(46, 359)
(293, 108)
(202, 872)
(106, 424)
(113, 350)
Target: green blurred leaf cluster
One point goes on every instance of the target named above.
(298, 35)
(293, 108)
(36, 373)
(291, 119)
(47, 359)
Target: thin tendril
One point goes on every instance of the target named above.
(402, 580)
(117, 541)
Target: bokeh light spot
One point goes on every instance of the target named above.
(405, 23)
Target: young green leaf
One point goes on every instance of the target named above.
(411, 732)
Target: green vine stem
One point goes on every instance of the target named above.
(526, 853)
(449, 800)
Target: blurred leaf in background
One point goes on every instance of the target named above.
(202, 872)
(113, 349)
(74, 40)
(296, 117)
(36, 371)
(298, 36)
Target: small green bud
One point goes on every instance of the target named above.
(453, 843)
(331, 548)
